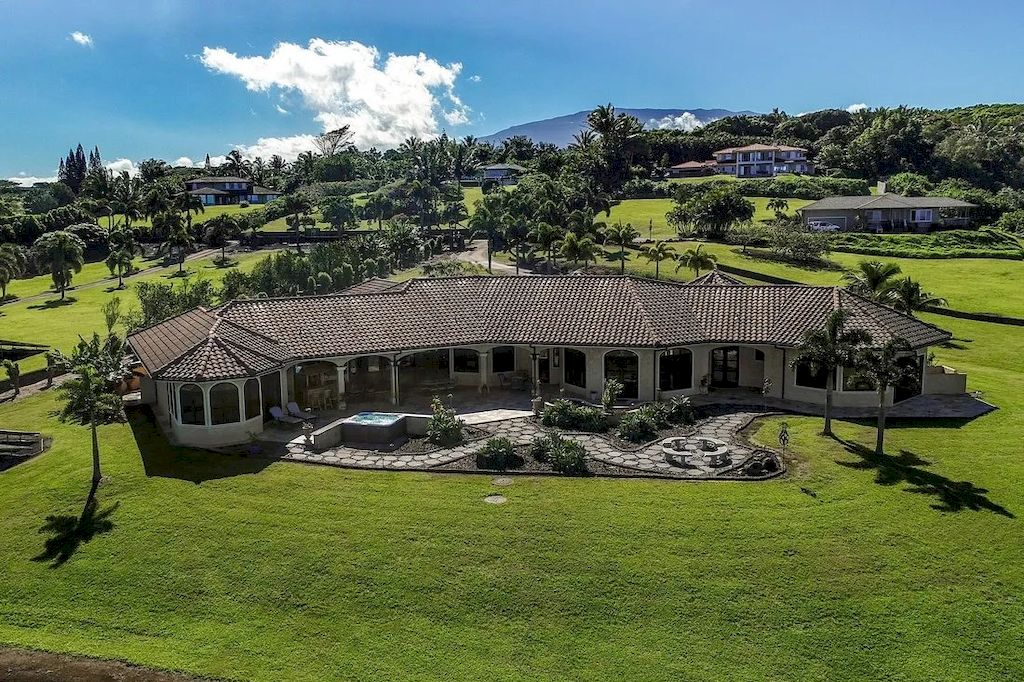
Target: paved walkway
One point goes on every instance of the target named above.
(32, 389)
(649, 459)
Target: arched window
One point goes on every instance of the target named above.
(224, 404)
(192, 409)
(575, 368)
(624, 367)
(675, 370)
(252, 398)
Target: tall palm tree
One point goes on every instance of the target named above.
(221, 229)
(296, 206)
(179, 240)
(188, 204)
(545, 236)
(12, 265)
(779, 206)
(872, 279)
(696, 259)
(515, 232)
(622, 236)
(120, 262)
(656, 253)
(63, 253)
(377, 207)
(882, 367)
(488, 220)
(156, 202)
(235, 164)
(126, 197)
(906, 296)
(828, 348)
(577, 249)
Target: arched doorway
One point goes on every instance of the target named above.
(369, 378)
(316, 384)
(624, 367)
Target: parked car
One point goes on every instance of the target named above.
(821, 226)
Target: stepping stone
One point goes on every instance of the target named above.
(502, 481)
(495, 499)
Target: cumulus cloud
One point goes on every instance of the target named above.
(29, 180)
(118, 165)
(383, 100)
(684, 121)
(183, 161)
(854, 108)
(83, 39)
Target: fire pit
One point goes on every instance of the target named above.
(704, 450)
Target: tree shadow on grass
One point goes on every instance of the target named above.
(68, 533)
(53, 303)
(160, 458)
(907, 467)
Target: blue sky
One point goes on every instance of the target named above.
(138, 83)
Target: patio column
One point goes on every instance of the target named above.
(341, 385)
(484, 370)
(535, 359)
(394, 381)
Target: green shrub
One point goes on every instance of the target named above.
(564, 414)
(443, 427)
(638, 426)
(658, 413)
(612, 391)
(564, 454)
(680, 411)
(498, 453)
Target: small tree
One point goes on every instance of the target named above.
(882, 367)
(697, 259)
(179, 241)
(906, 296)
(112, 314)
(872, 279)
(13, 374)
(63, 254)
(612, 390)
(621, 236)
(829, 348)
(340, 212)
(12, 265)
(711, 211)
(577, 249)
(779, 206)
(656, 253)
(219, 231)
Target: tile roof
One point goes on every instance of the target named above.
(883, 201)
(761, 148)
(374, 285)
(716, 276)
(219, 178)
(260, 189)
(207, 190)
(696, 164)
(582, 310)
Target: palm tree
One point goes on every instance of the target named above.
(828, 348)
(907, 297)
(577, 249)
(515, 233)
(235, 164)
(779, 206)
(622, 236)
(377, 207)
(63, 253)
(882, 367)
(296, 205)
(488, 220)
(656, 253)
(872, 279)
(178, 241)
(188, 204)
(219, 230)
(12, 265)
(156, 202)
(340, 212)
(545, 236)
(13, 374)
(120, 263)
(697, 259)
(126, 197)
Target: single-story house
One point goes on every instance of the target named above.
(504, 173)
(692, 169)
(215, 191)
(212, 376)
(889, 213)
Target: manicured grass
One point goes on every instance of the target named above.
(91, 272)
(647, 213)
(59, 324)
(197, 218)
(232, 567)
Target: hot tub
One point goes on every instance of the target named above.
(380, 429)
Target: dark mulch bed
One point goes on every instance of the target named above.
(531, 466)
(629, 446)
(22, 665)
(417, 445)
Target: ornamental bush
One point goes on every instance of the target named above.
(564, 454)
(567, 415)
(498, 453)
(638, 426)
(444, 427)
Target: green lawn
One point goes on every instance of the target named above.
(650, 213)
(59, 324)
(197, 218)
(229, 567)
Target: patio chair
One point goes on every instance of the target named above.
(278, 414)
(296, 411)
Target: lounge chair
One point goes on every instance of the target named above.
(296, 411)
(278, 414)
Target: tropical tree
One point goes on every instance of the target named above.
(546, 236)
(377, 207)
(882, 368)
(515, 232)
(340, 212)
(188, 204)
(488, 220)
(829, 348)
(13, 374)
(63, 254)
(297, 207)
(906, 296)
(779, 206)
(219, 231)
(126, 197)
(12, 265)
(577, 249)
(89, 398)
(621, 236)
(712, 212)
(120, 263)
(696, 259)
(656, 253)
(235, 165)
(179, 240)
(872, 279)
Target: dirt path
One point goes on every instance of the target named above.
(198, 255)
(22, 665)
(476, 253)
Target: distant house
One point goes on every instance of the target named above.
(215, 191)
(503, 173)
(762, 160)
(889, 213)
(692, 169)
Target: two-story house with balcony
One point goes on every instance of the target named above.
(215, 191)
(762, 160)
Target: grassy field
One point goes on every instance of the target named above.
(849, 569)
(59, 324)
(645, 214)
(197, 218)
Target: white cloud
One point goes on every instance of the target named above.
(684, 121)
(83, 39)
(383, 100)
(183, 161)
(29, 180)
(281, 110)
(216, 161)
(854, 108)
(475, 78)
(119, 165)
(288, 147)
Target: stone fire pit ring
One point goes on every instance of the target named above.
(704, 447)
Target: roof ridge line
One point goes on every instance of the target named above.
(644, 313)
